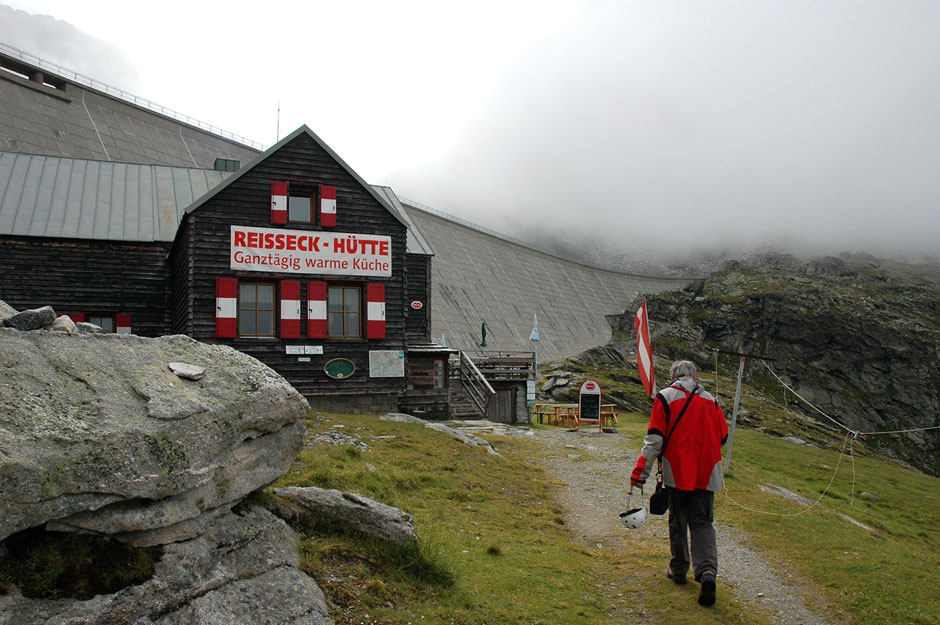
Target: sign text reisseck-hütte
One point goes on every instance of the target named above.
(304, 251)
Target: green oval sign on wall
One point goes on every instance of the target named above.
(339, 368)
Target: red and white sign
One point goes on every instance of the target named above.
(417, 305)
(589, 402)
(644, 351)
(590, 387)
(305, 251)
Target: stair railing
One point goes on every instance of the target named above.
(478, 388)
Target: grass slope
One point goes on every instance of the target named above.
(495, 548)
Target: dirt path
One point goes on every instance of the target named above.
(594, 468)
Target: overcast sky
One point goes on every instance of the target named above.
(683, 123)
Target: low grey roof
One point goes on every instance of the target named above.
(417, 243)
(48, 196)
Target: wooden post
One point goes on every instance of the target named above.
(734, 413)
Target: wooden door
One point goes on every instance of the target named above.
(501, 406)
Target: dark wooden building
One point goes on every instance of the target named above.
(292, 259)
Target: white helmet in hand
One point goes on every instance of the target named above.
(634, 518)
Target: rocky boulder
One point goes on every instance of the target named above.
(98, 435)
(155, 443)
(30, 319)
(321, 507)
(242, 570)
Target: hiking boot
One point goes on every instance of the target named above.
(675, 577)
(706, 595)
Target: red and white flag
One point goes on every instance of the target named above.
(644, 350)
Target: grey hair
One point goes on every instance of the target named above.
(682, 368)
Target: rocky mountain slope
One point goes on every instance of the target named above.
(857, 337)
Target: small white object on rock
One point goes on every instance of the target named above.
(187, 371)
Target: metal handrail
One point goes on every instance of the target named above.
(478, 388)
(527, 244)
(87, 81)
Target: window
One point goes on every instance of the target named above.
(105, 322)
(301, 204)
(255, 309)
(344, 311)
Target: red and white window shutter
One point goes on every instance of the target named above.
(290, 309)
(122, 323)
(375, 311)
(76, 317)
(278, 202)
(316, 310)
(327, 206)
(226, 298)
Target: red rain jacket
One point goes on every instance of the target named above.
(693, 453)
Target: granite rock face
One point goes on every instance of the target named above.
(854, 335)
(313, 506)
(242, 570)
(98, 434)
(30, 319)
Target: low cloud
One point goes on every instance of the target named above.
(58, 42)
(711, 125)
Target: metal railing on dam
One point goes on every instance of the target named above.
(480, 275)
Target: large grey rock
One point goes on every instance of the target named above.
(468, 439)
(34, 319)
(241, 571)
(63, 324)
(6, 310)
(97, 434)
(320, 506)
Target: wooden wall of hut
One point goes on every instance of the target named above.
(103, 278)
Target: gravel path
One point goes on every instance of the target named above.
(593, 469)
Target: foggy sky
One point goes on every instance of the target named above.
(811, 125)
(656, 125)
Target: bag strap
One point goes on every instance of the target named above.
(662, 450)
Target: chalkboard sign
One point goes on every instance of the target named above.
(589, 401)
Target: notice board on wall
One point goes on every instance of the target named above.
(388, 363)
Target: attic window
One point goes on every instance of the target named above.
(226, 164)
(302, 203)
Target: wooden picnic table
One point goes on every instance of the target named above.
(566, 415)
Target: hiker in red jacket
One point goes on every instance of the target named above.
(692, 472)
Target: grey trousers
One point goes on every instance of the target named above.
(691, 513)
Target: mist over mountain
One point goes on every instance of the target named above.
(631, 255)
(59, 42)
(855, 336)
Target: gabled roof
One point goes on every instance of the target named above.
(47, 196)
(380, 198)
(417, 243)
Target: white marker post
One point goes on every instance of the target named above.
(737, 397)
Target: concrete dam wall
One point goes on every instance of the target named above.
(479, 276)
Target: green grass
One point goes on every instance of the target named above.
(494, 547)
(489, 532)
(885, 576)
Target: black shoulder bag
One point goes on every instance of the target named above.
(659, 500)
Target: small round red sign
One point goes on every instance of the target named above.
(417, 305)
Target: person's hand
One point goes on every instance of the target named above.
(636, 479)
